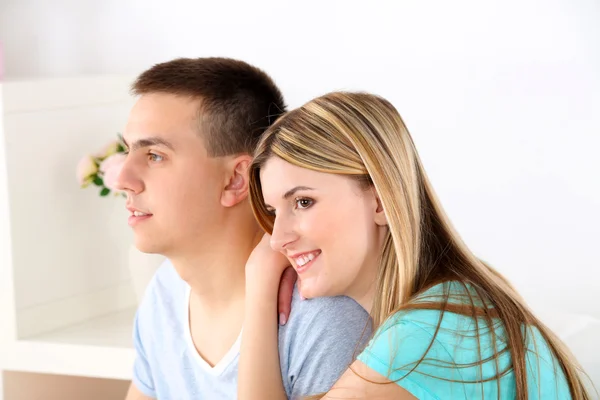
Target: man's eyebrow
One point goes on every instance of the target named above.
(147, 142)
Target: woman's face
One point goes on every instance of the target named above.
(328, 226)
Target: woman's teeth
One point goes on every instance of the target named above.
(305, 259)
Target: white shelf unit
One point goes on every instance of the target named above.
(66, 300)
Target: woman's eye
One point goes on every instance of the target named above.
(303, 203)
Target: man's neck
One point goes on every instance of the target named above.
(215, 269)
(213, 265)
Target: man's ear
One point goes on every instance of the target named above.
(379, 216)
(237, 180)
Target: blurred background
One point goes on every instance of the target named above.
(501, 97)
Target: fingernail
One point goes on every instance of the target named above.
(282, 319)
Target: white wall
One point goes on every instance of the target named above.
(7, 331)
(502, 98)
(69, 246)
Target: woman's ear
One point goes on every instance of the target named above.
(379, 216)
(236, 186)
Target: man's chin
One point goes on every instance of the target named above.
(148, 247)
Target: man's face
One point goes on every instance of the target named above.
(173, 187)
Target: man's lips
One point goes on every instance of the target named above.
(137, 216)
(137, 211)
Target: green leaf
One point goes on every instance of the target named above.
(104, 192)
(98, 181)
(121, 148)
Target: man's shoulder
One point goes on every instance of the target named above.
(327, 307)
(166, 273)
(319, 341)
(339, 315)
(165, 279)
(166, 289)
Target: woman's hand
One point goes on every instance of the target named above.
(264, 269)
(270, 278)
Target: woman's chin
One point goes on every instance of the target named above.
(310, 288)
(306, 288)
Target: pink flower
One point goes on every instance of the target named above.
(86, 169)
(110, 169)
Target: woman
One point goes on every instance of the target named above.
(340, 187)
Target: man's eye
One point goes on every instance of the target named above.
(154, 157)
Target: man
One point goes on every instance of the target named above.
(190, 137)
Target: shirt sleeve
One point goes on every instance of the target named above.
(325, 335)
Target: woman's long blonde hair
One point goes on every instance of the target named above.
(363, 136)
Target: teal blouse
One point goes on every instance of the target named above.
(447, 371)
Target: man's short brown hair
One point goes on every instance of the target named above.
(238, 102)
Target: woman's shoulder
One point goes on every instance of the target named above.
(469, 346)
(455, 292)
(426, 308)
